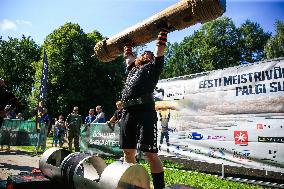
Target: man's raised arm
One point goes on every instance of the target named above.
(161, 43)
(128, 54)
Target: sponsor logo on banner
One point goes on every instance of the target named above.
(243, 155)
(104, 138)
(271, 157)
(259, 126)
(271, 139)
(241, 137)
(216, 152)
(272, 153)
(195, 136)
(219, 138)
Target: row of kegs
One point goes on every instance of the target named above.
(88, 171)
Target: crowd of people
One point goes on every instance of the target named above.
(62, 130)
(8, 103)
(69, 129)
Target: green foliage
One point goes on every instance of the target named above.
(26, 148)
(217, 45)
(17, 57)
(252, 41)
(175, 62)
(75, 78)
(109, 160)
(214, 46)
(199, 180)
(171, 164)
(275, 45)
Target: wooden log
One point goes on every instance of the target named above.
(178, 16)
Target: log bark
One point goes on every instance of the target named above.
(178, 16)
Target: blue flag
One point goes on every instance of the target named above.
(42, 90)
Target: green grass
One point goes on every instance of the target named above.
(176, 175)
(26, 148)
(200, 180)
(31, 148)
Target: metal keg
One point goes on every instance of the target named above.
(50, 162)
(121, 175)
(86, 171)
(82, 167)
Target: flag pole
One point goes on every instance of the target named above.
(42, 90)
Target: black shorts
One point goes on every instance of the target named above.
(138, 129)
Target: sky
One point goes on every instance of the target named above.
(38, 18)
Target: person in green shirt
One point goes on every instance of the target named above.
(73, 123)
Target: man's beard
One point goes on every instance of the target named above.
(141, 62)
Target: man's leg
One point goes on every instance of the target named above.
(43, 147)
(148, 144)
(70, 140)
(129, 155)
(37, 143)
(161, 137)
(157, 170)
(40, 139)
(76, 142)
(127, 138)
(60, 140)
(167, 140)
(55, 140)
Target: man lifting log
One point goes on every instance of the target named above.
(138, 124)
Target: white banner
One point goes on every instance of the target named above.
(233, 116)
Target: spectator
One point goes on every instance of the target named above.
(19, 116)
(116, 116)
(100, 118)
(59, 132)
(44, 124)
(8, 102)
(51, 126)
(91, 117)
(165, 129)
(73, 123)
(11, 114)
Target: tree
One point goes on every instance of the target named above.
(275, 45)
(252, 41)
(17, 57)
(75, 78)
(214, 46)
(171, 67)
